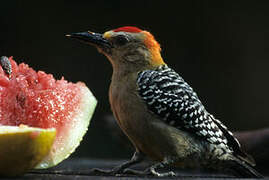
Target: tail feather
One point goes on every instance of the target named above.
(245, 157)
(244, 169)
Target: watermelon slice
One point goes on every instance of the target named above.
(38, 100)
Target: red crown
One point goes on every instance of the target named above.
(131, 29)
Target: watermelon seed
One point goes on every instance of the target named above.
(6, 65)
(21, 100)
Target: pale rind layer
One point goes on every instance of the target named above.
(22, 148)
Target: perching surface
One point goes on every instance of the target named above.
(79, 169)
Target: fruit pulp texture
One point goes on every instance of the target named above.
(36, 99)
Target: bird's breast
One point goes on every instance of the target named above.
(126, 106)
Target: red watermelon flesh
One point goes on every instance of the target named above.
(36, 99)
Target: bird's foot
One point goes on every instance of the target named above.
(112, 172)
(152, 170)
(136, 172)
(164, 164)
(158, 174)
(148, 172)
(137, 157)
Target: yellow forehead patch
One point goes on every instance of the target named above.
(107, 34)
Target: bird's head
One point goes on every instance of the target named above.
(125, 46)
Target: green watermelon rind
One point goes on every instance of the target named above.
(75, 136)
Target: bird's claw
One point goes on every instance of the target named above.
(147, 172)
(105, 172)
(136, 172)
(153, 172)
(167, 174)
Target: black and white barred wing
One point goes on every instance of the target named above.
(173, 100)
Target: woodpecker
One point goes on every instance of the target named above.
(159, 112)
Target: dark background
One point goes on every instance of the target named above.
(221, 48)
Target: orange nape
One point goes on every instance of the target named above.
(155, 49)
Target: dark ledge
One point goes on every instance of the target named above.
(255, 143)
(79, 169)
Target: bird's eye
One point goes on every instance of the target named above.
(121, 40)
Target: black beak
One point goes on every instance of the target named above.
(91, 38)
